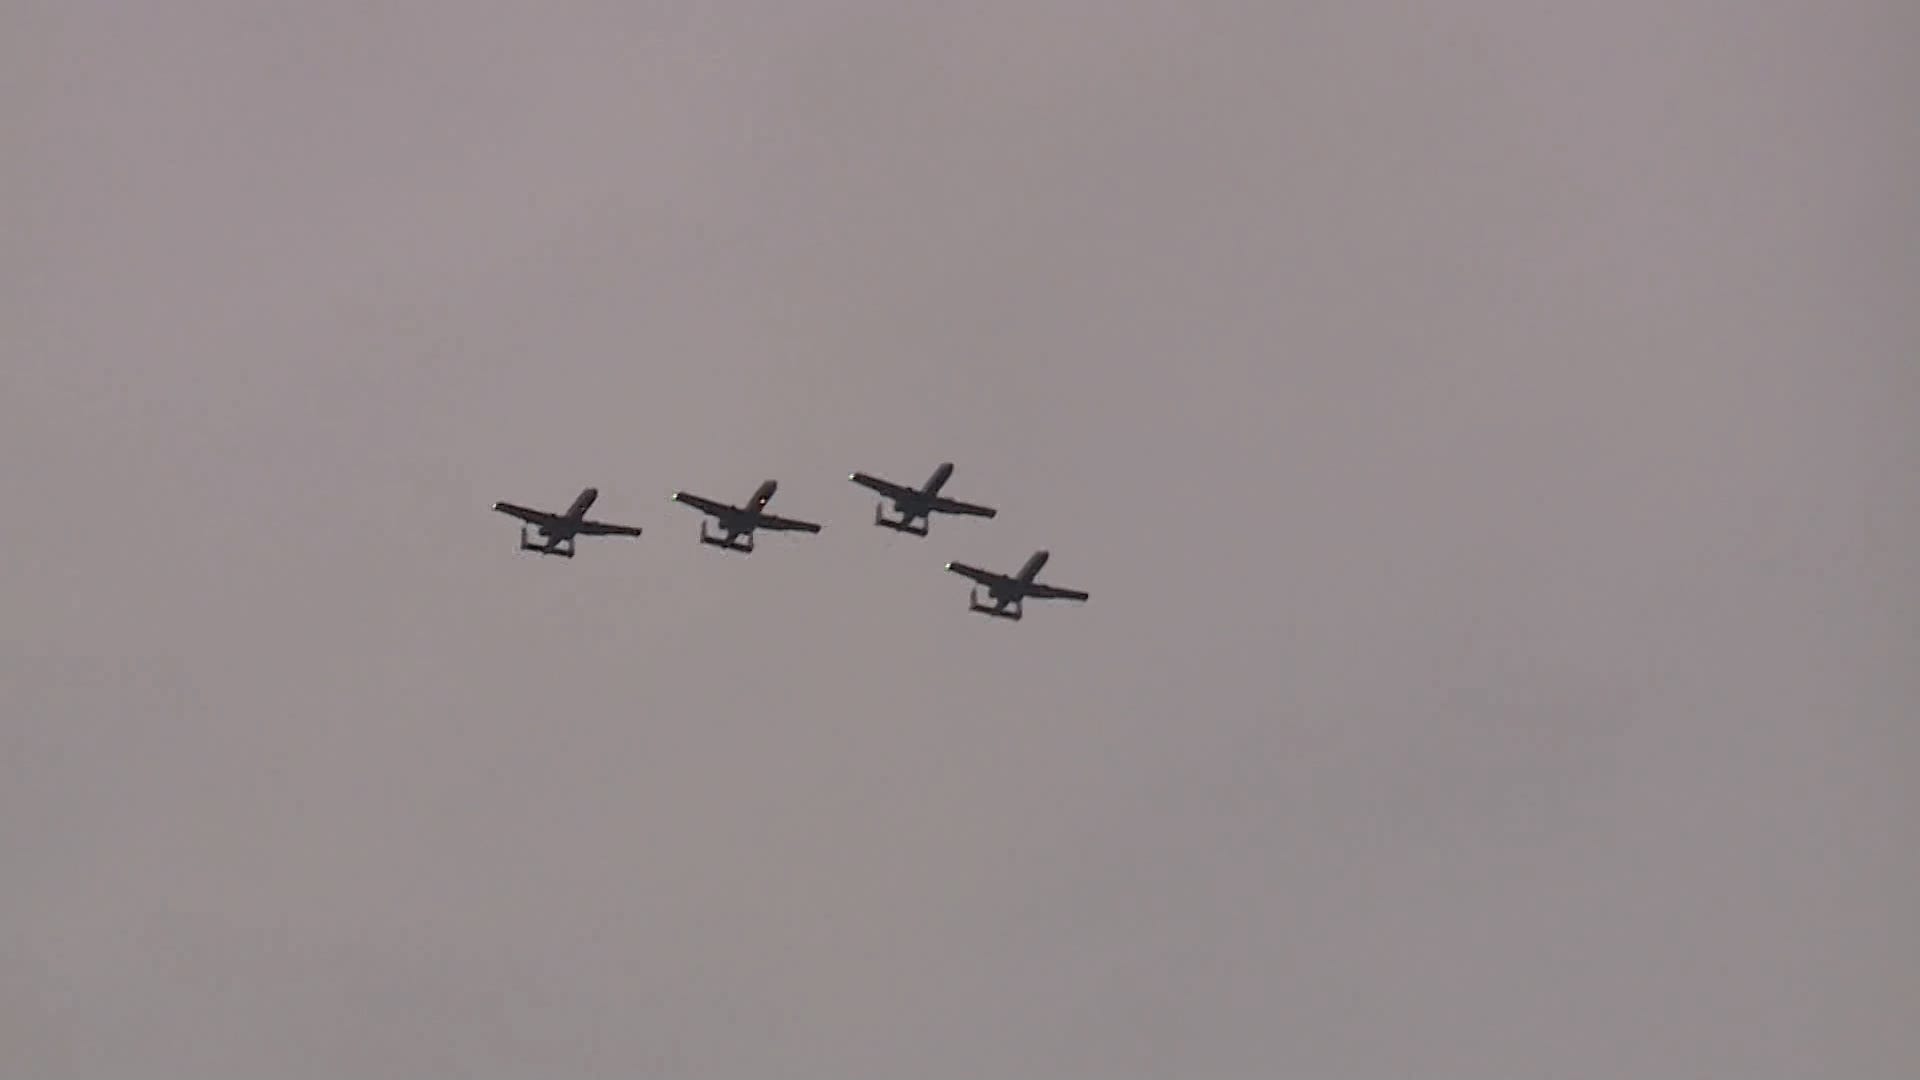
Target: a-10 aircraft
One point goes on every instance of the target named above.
(557, 531)
(917, 504)
(1007, 593)
(737, 523)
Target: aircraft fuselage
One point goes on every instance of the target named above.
(1014, 588)
(1031, 569)
(917, 503)
(744, 519)
(576, 513)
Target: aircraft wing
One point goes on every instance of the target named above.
(955, 506)
(601, 528)
(780, 524)
(531, 517)
(885, 487)
(706, 505)
(984, 577)
(1054, 592)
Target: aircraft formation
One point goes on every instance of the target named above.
(548, 533)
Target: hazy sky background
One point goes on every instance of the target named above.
(1489, 434)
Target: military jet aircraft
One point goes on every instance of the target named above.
(916, 504)
(557, 531)
(737, 523)
(1007, 593)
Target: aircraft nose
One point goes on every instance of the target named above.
(593, 493)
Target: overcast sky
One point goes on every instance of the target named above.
(1488, 434)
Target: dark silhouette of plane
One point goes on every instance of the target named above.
(1007, 593)
(557, 531)
(917, 504)
(737, 523)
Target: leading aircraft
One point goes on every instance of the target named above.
(737, 523)
(557, 531)
(1007, 593)
(917, 504)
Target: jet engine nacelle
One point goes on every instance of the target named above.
(562, 548)
(902, 524)
(741, 542)
(1010, 611)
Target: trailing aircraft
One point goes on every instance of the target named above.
(916, 504)
(1008, 592)
(738, 523)
(557, 531)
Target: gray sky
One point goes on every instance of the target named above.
(1488, 434)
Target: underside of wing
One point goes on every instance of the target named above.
(955, 506)
(602, 528)
(1054, 592)
(885, 487)
(704, 504)
(780, 524)
(984, 577)
(531, 517)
